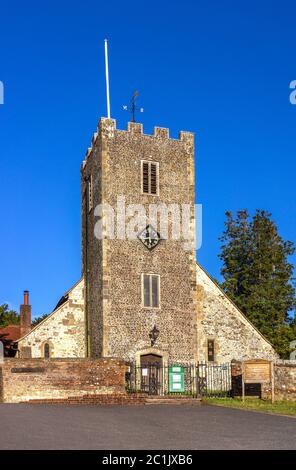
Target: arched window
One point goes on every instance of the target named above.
(46, 351)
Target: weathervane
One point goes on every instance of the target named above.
(132, 108)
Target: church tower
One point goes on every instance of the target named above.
(140, 279)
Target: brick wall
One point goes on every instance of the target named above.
(39, 379)
(94, 399)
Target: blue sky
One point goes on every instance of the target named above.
(219, 69)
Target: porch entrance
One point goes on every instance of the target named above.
(151, 374)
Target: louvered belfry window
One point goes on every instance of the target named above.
(149, 177)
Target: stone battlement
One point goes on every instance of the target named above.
(107, 127)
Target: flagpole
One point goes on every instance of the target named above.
(107, 78)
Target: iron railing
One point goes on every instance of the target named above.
(214, 380)
(203, 379)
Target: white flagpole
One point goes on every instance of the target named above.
(107, 78)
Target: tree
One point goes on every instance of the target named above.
(236, 256)
(7, 316)
(258, 276)
(38, 320)
(293, 324)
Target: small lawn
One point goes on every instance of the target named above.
(278, 407)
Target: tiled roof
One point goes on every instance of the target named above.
(10, 332)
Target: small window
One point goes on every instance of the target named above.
(150, 177)
(90, 193)
(211, 350)
(150, 286)
(46, 351)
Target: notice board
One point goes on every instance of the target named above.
(258, 371)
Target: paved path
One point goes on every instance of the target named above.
(142, 427)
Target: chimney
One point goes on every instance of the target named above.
(25, 315)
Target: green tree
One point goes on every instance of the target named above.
(38, 320)
(7, 316)
(293, 324)
(258, 276)
(236, 256)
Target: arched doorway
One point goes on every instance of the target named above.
(151, 369)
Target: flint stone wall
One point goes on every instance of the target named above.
(119, 324)
(63, 330)
(219, 319)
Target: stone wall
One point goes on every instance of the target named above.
(284, 381)
(219, 319)
(189, 315)
(293, 350)
(24, 380)
(119, 324)
(63, 330)
(92, 249)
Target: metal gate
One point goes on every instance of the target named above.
(146, 378)
(214, 380)
(204, 379)
(151, 379)
(156, 379)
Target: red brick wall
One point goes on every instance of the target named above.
(33, 379)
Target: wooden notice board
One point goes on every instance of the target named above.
(258, 371)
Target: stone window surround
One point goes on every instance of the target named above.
(216, 349)
(212, 349)
(157, 177)
(142, 291)
(51, 349)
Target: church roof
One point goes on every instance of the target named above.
(62, 300)
(10, 333)
(60, 303)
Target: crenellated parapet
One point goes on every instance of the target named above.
(107, 129)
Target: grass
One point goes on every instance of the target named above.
(279, 407)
